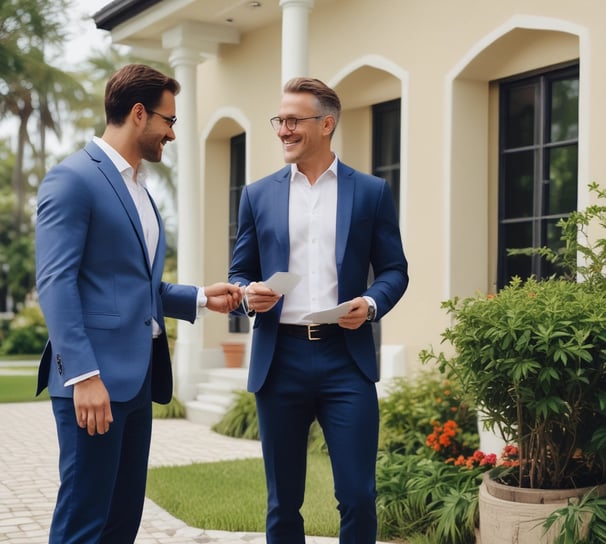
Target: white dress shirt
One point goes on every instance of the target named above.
(312, 229)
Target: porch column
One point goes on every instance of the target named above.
(189, 44)
(190, 256)
(295, 38)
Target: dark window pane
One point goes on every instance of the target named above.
(551, 237)
(538, 168)
(516, 236)
(564, 110)
(561, 190)
(386, 129)
(237, 180)
(518, 184)
(389, 150)
(520, 116)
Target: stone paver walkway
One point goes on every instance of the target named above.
(29, 476)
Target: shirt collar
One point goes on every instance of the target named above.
(294, 170)
(121, 163)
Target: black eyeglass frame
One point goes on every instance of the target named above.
(276, 122)
(170, 120)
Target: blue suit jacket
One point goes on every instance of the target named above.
(97, 289)
(367, 234)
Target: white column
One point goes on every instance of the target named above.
(295, 38)
(190, 43)
(190, 258)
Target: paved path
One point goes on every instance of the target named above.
(29, 476)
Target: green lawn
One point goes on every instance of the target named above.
(231, 495)
(20, 389)
(226, 496)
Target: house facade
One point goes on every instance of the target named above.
(483, 115)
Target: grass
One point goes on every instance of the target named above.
(20, 389)
(228, 495)
(231, 495)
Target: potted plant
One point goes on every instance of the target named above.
(233, 354)
(532, 358)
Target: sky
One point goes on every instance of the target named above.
(86, 37)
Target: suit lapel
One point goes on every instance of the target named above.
(279, 212)
(159, 256)
(109, 171)
(345, 196)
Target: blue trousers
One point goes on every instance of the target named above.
(100, 499)
(308, 380)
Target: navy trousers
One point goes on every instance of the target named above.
(318, 379)
(100, 499)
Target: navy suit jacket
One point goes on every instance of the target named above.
(367, 235)
(97, 288)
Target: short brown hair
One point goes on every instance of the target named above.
(328, 99)
(132, 84)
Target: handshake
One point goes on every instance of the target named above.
(223, 297)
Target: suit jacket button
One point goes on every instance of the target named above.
(148, 321)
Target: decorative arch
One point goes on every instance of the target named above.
(521, 44)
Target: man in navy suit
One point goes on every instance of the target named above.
(100, 247)
(330, 224)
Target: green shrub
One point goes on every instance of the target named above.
(412, 408)
(27, 333)
(240, 421)
(173, 410)
(426, 499)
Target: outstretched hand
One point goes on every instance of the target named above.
(223, 297)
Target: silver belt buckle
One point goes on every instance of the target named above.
(311, 330)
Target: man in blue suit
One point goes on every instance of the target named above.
(100, 247)
(329, 224)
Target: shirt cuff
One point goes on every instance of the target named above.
(81, 378)
(202, 299)
(371, 302)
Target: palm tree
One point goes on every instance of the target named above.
(30, 88)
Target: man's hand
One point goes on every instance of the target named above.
(223, 297)
(358, 312)
(91, 403)
(261, 298)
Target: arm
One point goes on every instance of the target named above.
(61, 229)
(388, 263)
(245, 268)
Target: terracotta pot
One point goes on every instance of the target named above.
(234, 354)
(514, 515)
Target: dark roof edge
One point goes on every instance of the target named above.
(119, 11)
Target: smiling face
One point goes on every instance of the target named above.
(157, 130)
(309, 142)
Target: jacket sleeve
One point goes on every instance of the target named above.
(61, 232)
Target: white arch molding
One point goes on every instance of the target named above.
(527, 22)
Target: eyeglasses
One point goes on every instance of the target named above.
(169, 120)
(290, 122)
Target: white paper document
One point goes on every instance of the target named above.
(331, 315)
(282, 282)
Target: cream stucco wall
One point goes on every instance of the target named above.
(439, 56)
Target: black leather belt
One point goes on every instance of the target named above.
(313, 331)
